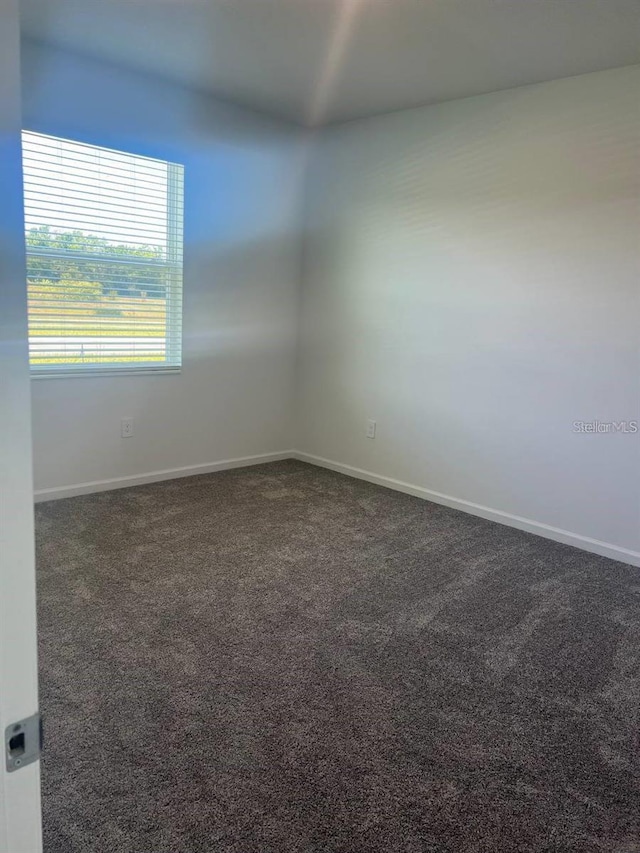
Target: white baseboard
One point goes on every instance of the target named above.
(595, 546)
(156, 476)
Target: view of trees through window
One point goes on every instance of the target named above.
(76, 295)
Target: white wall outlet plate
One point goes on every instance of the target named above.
(126, 427)
(371, 429)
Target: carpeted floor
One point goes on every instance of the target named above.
(281, 659)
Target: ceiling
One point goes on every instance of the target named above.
(319, 61)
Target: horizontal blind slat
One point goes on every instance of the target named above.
(119, 234)
(83, 200)
(80, 177)
(74, 255)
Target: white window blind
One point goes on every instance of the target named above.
(104, 258)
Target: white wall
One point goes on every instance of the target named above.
(19, 791)
(471, 281)
(233, 398)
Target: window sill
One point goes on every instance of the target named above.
(91, 373)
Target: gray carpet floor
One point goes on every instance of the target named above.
(281, 659)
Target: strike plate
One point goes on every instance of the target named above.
(23, 742)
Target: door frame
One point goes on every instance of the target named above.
(20, 812)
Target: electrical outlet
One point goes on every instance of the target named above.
(126, 427)
(371, 429)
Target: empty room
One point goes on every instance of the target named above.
(319, 447)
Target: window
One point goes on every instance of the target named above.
(104, 258)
